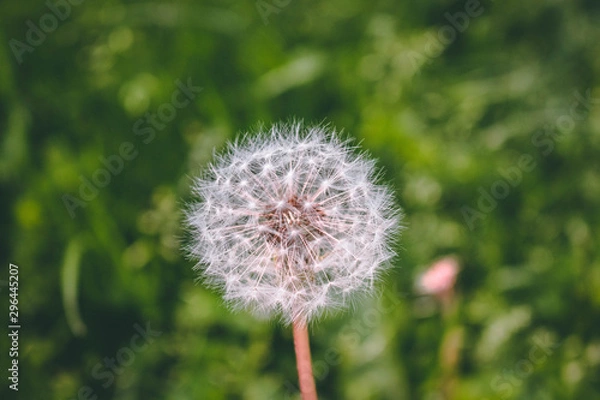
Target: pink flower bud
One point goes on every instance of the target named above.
(440, 277)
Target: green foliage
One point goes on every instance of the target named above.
(490, 133)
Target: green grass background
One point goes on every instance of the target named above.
(447, 111)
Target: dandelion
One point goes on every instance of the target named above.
(292, 223)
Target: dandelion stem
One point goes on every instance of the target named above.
(303, 362)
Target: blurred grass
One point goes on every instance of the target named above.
(444, 124)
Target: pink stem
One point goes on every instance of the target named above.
(303, 362)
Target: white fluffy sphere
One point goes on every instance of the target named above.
(291, 222)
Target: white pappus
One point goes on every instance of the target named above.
(292, 222)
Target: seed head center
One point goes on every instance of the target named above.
(293, 221)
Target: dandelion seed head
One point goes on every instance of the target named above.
(292, 222)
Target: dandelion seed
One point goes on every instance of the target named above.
(292, 223)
